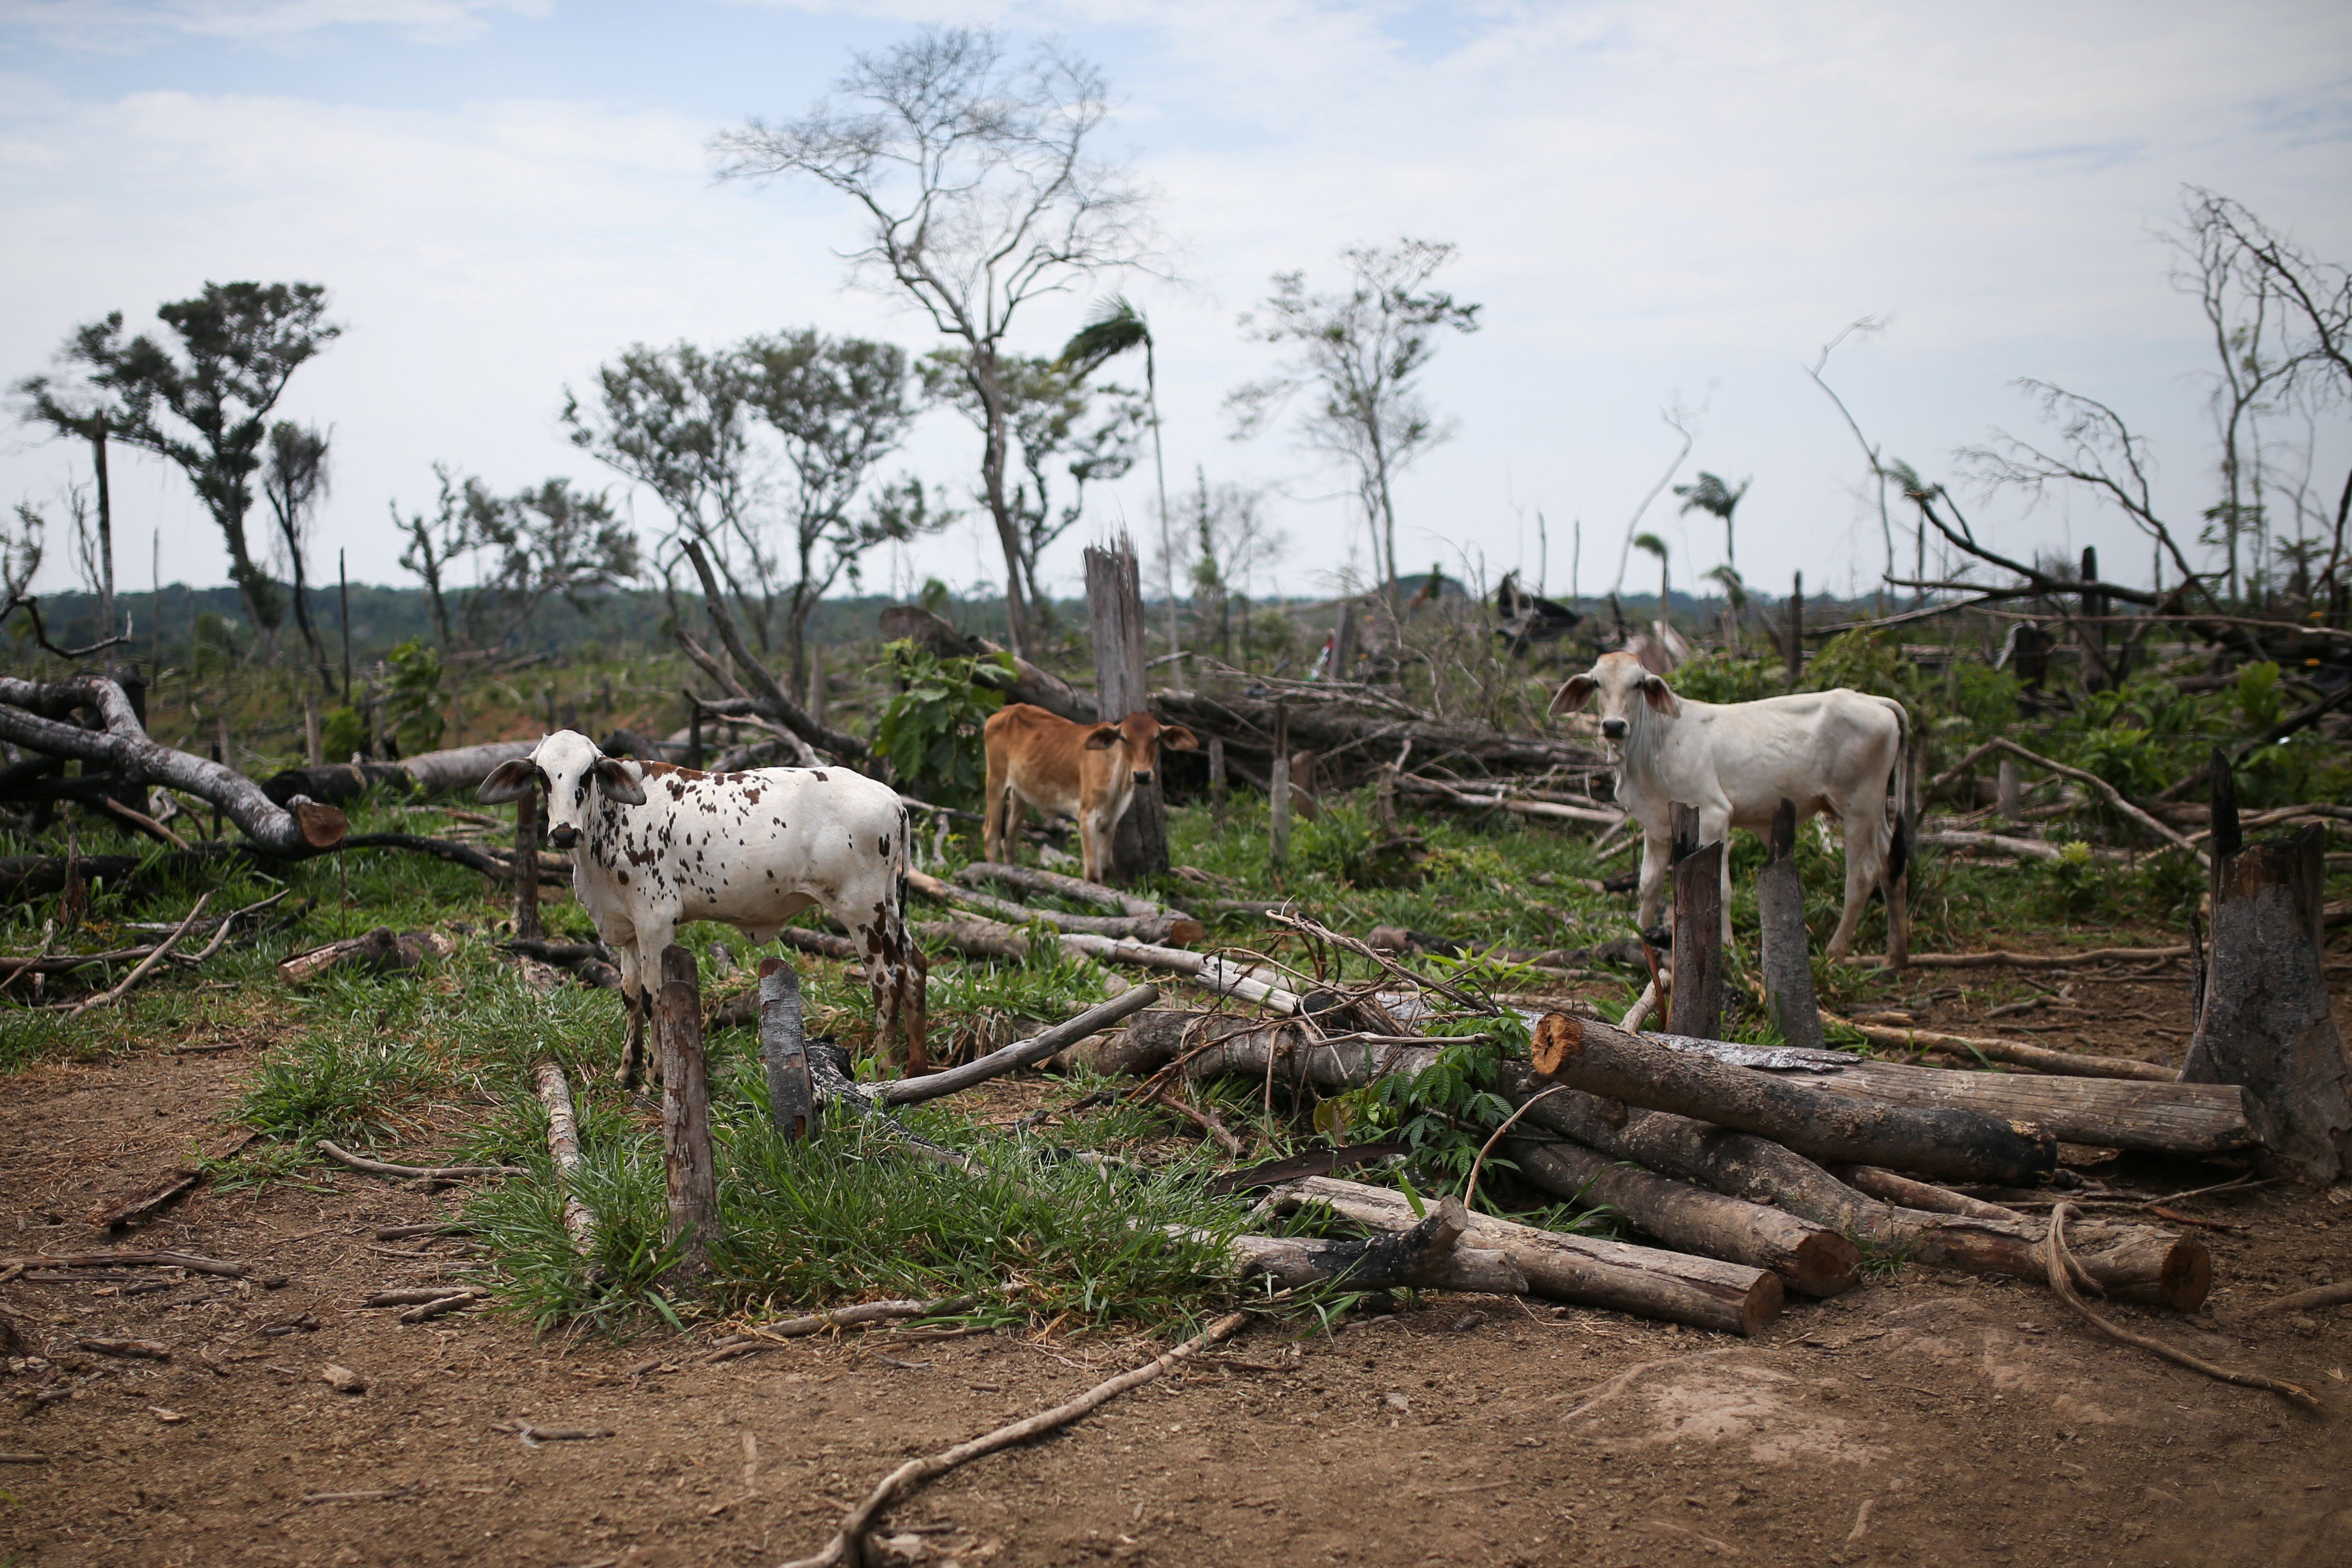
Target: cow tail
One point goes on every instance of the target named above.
(1906, 762)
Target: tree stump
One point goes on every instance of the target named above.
(783, 1045)
(1788, 950)
(1122, 686)
(688, 1161)
(1698, 1004)
(2264, 1022)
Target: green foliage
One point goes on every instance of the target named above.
(2075, 880)
(2260, 700)
(1716, 676)
(1984, 697)
(930, 729)
(343, 732)
(1436, 1113)
(414, 702)
(1865, 661)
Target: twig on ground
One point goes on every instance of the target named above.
(848, 1545)
(1603, 1393)
(75, 1010)
(341, 1155)
(2062, 1270)
(2334, 1295)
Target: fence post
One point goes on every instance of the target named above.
(686, 1159)
(783, 1043)
(1122, 686)
(1696, 1009)
(1278, 804)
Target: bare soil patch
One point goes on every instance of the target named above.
(1931, 1419)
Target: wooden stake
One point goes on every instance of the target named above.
(1795, 649)
(687, 1156)
(1219, 790)
(1695, 1006)
(1788, 952)
(783, 1045)
(527, 927)
(1122, 686)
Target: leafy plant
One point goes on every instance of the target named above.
(2260, 700)
(930, 729)
(414, 703)
(1436, 1113)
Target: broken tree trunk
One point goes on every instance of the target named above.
(783, 1047)
(1691, 1219)
(1427, 1257)
(33, 715)
(563, 1146)
(1704, 1293)
(2105, 1113)
(2265, 1024)
(382, 951)
(1031, 685)
(1122, 686)
(1604, 1060)
(1788, 961)
(759, 680)
(2136, 1262)
(1695, 1006)
(2040, 1058)
(688, 1160)
(1366, 724)
(427, 773)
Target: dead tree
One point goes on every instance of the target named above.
(1122, 686)
(2263, 1016)
(1039, 687)
(1788, 952)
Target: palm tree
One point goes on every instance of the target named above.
(1116, 327)
(1656, 547)
(1712, 495)
(1735, 594)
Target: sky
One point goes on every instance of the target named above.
(1664, 203)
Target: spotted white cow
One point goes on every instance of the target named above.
(1833, 751)
(656, 845)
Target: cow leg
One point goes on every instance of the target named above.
(1094, 844)
(898, 974)
(1655, 849)
(1865, 851)
(993, 809)
(1714, 827)
(633, 1000)
(645, 953)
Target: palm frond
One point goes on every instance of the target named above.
(1116, 327)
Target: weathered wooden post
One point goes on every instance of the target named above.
(527, 927)
(2009, 790)
(693, 731)
(1787, 951)
(1278, 795)
(1114, 617)
(783, 1044)
(1219, 790)
(1306, 784)
(1697, 1006)
(2097, 672)
(688, 1160)
(2263, 1019)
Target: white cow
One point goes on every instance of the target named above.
(1832, 751)
(657, 845)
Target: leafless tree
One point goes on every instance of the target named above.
(1359, 352)
(1679, 420)
(294, 481)
(1861, 327)
(980, 190)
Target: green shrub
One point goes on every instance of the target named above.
(930, 728)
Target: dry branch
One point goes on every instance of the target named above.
(1019, 1054)
(762, 685)
(1180, 930)
(563, 1147)
(341, 1155)
(1033, 880)
(848, 1545)
(2311, 1301)
(162, 950)
(2062, 1063)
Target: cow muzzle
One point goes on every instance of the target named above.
(1143, 776)
(1613, 729)
(564, 837)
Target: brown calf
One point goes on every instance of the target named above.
(1089, 771)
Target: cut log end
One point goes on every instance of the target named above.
(1559, 1041)
(2186, 1277)
(1824, 1264)
(322, 827)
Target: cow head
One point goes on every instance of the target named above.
(1136, 739)
(1622, 687)
(567, 766)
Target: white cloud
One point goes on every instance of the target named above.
(1648, 197)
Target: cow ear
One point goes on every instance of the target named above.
(1102, 737)
(1183, 739)
(1661, 696)
(1574, 694)
(613, 780)
(509, 781)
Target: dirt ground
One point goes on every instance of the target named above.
(1936, 1419)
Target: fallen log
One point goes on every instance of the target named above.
(1180, 930)
(427, 773)
(2151, 1117)
(1893, 1187)
(1690, 1218)
(1944, 1141)
(1019, 1054)
(2135, 1262)
(382, 951)
(564, 1148)
(1428, 1255)
(30, 717)
(1444, 794)
(1730, 1298)
(341, 1155)
(1361, 724)
(2001, 958)
(218, 1267)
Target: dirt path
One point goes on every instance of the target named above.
(1930, 1421)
